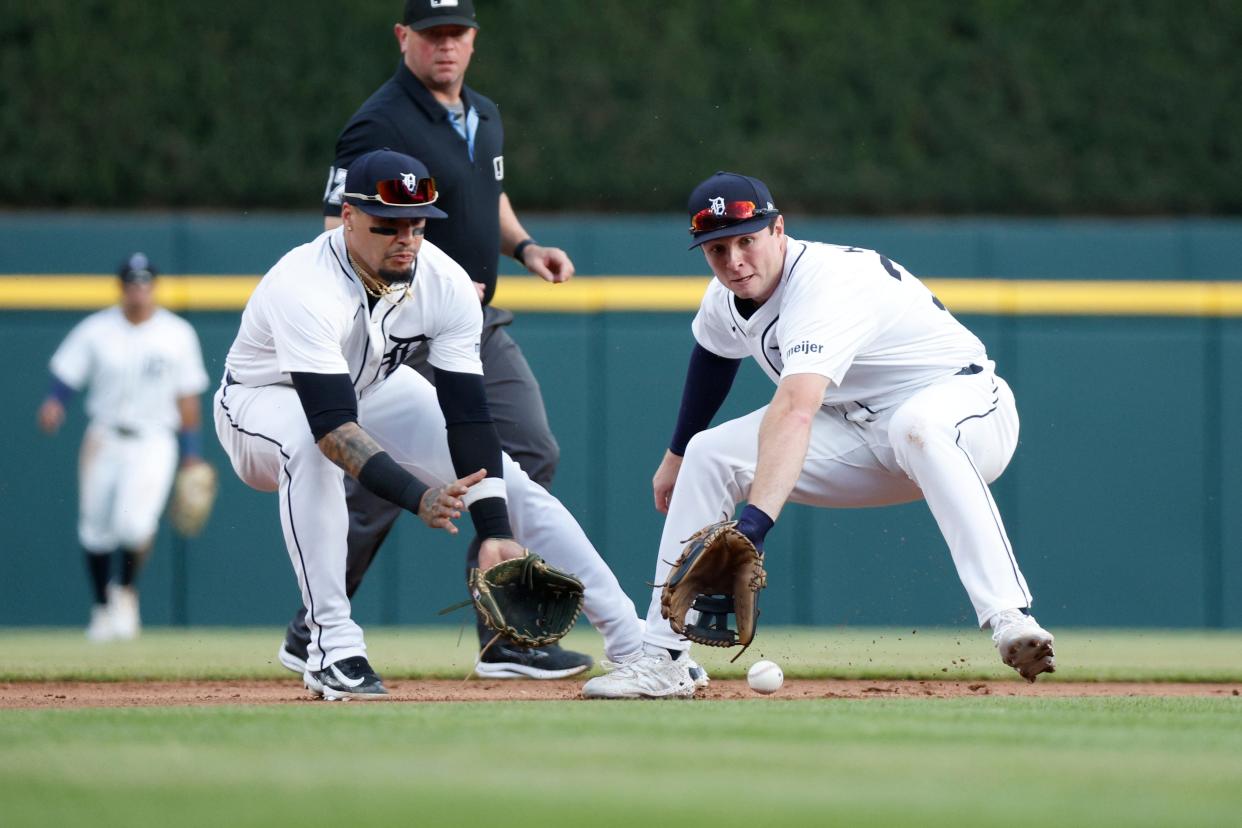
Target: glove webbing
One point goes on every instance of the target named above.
(528, 580)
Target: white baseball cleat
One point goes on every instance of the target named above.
(649, 674)
(123, 604)
(701, 679)
(100, 628)
(1023, 644)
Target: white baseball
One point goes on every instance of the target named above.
(765, 677)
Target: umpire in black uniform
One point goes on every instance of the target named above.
(426, 110)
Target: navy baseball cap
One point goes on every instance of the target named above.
(729, 204)
(424, 14)
(391, 184)
(136, 270)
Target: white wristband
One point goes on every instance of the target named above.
(488, 487)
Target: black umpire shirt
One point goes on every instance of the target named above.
(403, 115)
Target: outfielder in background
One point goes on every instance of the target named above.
(426, 110)
(882, 397)
(316, 388)
(143, 369)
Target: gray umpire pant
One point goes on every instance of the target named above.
(517, 408)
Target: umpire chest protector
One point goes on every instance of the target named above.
(404, 116)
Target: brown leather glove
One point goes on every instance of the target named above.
(719, 572)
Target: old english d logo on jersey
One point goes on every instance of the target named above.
(402, 346)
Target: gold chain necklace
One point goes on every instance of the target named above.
(369, 283)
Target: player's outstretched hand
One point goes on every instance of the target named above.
(51, 415)
(441, 505)
(548, 263)
(495, 550)
(664, 480)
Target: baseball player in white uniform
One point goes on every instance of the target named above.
(144, 370)
(882, 397)
(315, 389)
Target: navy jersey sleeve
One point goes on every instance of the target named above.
(363, 133)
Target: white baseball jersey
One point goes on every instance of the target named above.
(848, 314)
(901, 420)
(135, 373)
(309, 314)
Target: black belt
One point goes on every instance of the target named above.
(969, 369)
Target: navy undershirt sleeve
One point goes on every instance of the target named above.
(708, 380)
(473, 444)
(329, 401)
(61, 391)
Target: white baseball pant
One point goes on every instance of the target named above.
(943, 444)
(123, 483)
(265, 433)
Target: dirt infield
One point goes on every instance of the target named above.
(40, 695)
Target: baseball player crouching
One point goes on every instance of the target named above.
(315, 388)
(144, 371)
(882, 397)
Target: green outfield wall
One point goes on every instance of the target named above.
(1122, 341)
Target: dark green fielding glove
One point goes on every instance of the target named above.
(527, 600)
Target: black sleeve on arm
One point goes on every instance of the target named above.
(708, 380)
(384, 477)
(329, 400)
(473, 444)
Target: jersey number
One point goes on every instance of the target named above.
(892, 271)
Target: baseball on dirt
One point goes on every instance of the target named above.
(765, 677)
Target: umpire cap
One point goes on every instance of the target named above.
(423, 14)
(729, 204)
(391, 184)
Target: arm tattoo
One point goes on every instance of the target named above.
(349, 447)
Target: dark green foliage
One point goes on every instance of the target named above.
(853, 106)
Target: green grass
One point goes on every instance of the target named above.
(974, 761)
(216, 653)
(985, 760)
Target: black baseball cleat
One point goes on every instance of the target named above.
(507, 660)
(349, 678)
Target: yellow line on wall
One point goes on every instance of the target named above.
(594, 294)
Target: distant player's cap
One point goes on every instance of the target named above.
(136, 270)
(423, 14)
(729, 204)
(391, 184)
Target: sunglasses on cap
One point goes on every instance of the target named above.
(393, 192)
(731, 212)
